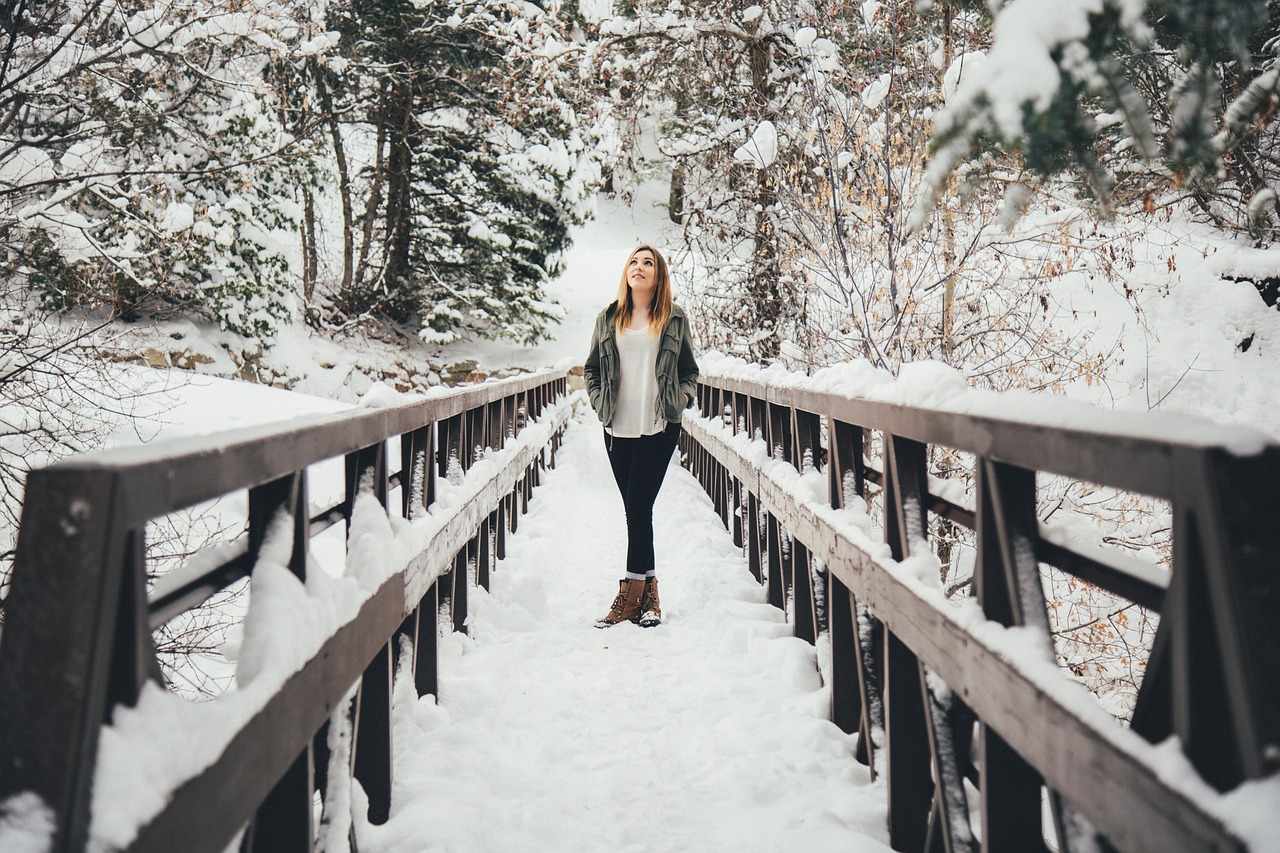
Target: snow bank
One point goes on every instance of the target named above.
(26, 825)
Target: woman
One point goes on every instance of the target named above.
(640, 374)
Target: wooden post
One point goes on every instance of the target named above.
(426, 664)
(284, 821)
(754, 538)
(373, 759)
(417, 473)
(736, 507)
(773, 534)
(805, 616)
(1010, 787)
(460, 591)
(906, 740)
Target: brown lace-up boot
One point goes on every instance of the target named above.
(626, 607)
(650, 609)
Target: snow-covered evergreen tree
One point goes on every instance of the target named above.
(481, 163)
(143, 165)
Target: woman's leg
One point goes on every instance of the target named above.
(639, 466)
(623, 455)
(649, 463)
(621, 451)
(626, 607)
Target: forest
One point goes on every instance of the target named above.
(892, 181)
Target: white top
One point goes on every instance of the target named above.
(636, 412)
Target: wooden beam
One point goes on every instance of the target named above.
(1109, 774)
(207, 810)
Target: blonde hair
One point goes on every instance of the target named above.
(660, 310)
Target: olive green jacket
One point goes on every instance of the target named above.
(677, 369)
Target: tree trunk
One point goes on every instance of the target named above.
(675, 198)
(765, 308)
(399, 188)
(372, 205)
(310, 255)
(948, 224)
(344, 178)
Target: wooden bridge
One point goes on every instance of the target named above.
(982, 741)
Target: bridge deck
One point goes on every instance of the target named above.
(708, 733)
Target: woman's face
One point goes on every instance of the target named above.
(642, 272)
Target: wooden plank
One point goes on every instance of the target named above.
(373, 757)
(906, 747)
(846, 700)
(284, 822)
(805, 618)
(63, 610)
(754, 536)
(205, 813)
(1110, 450)
(1107, 773)
(773, 548)
(426, 644)
(437, 557)
(214, 465)
(421, 570)
(61, 616)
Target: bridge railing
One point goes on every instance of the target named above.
(77, 652)
(949, 693)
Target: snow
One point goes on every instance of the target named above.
(592, 270)
(178, 216)
(737, 749)
(964, 63)
(728, 706)
(1027, 649)
(762, 148)
(27, 165)
(873, 96)
(26, 824)
(707, 733)
(595, 11)
(1019, 68)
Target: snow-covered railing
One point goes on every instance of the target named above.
(971, 691)
(94, 751)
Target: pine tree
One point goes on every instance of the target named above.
(481, 165)
(146, 168)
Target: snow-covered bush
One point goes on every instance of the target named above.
(143, 162)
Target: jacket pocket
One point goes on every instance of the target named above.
(671, 339)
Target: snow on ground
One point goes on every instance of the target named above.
(709, 732)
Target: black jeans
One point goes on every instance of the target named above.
(639, 465)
